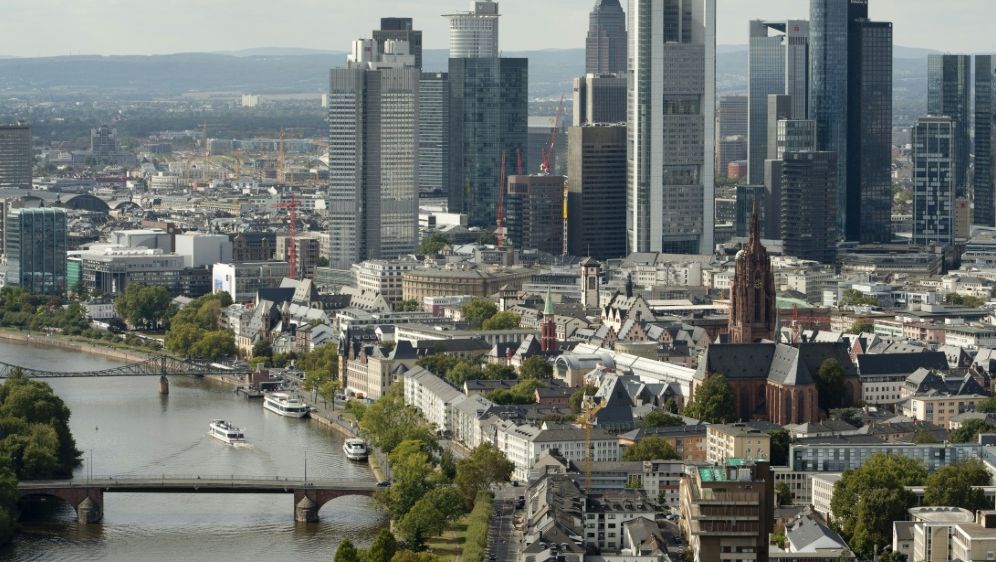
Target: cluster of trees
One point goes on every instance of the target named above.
(534, 373)
(853, 297)
(970, 430)
(144, 306)
(963, 300)
(650, 448)
(432, 244)
(830, 383)
(194, 329)
(320, 366)
(867, 500)
(483, 314)
(714, 401)
(21, 309)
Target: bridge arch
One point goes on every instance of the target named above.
(309, 501)
(87, 502)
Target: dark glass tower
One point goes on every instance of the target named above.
(605, 49)
(949, 93)
(808, 207)
(400, 29)
(985, 111)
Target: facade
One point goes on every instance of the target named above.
(525, 444)
(383, 277)
(35, 244)
(16, 156)
(104, 145)
(474, 34)
(400, 29)
(596, 192)
(808, 206)
(534, 213)
(488, 118)
(838, 455)
(243, 280)
(949, 93)
(746, 199)
(779, 64)
(419, 284)
(793, 135)
(599, 98)
(752, 298)
(432, 396)
(984, 180)
(201, 250)
(433, 166)
(933, 181)
(727, 511)
(672, 105)
(373, 140)
(732, 119)
(605, 47)
(736, 440)
(110, 270)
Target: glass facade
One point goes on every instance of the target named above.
(949, 93)
(933, 181)
(985, 111)
(36, 244)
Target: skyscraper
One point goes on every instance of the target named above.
(850, 99)
(489, 99)
(949, 93)
(599, 99)
(104, 144)
(809, 205)
(984, 182)
(596, 192)
(373, 114)
(35, 244)
(672, 101)
(474, 34)
(779, 64)
(605, 48)
(933, 180)
(16, 156)
(535, 213)
(433, 132)
(400, 29)
(732, 117)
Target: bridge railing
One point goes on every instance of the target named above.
(167, 479)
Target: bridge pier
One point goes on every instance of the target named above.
(163, 385)
(89, 511)
(306, 511)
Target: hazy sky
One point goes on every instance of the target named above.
(60, 27)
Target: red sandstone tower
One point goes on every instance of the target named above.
(752, 298)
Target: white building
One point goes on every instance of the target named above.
(432, 396)
(382, 276)
(201, 250)
(821, 492)
(524, 444)
(243, 280)
(149, 238)
(474, 34)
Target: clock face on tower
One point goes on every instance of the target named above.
(757, 283)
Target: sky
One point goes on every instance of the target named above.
(64, 27)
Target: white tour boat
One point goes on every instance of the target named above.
(225, 431)
(285, 405)
(355, 449)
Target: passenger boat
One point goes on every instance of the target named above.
(285, 405)
(355, 449)
(226, 432)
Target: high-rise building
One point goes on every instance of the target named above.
(779, 64)
(599, 98)
(373, 144)
(984, 181)
(933, 180)
(104, 144)
(748, 199)
(672, 104)
(949, 92)
(474, 34)
(779, 109)
(605, 48)
(850, 99)
(35, 244)
(794, 135)
(400, 29)
(16, 156)
(433, 133)
(535, 213)
(808, 206)
(731, 132)
(596, 192)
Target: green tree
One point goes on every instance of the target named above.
(502, 321)
(408, 306)
(830, 383)
(327, 390)
(486, 465)
(413, 477)
(924, 436)
(650, 448)
(494, 372)
(34, 430)
(577, 399)
(383, 548)
(963, 300)
(987, 406)
(464, 371)
(477, 311)
(853, 297)
(784, 494)
(487, 238)
(952, 485)
(144, 306)
(430, 515)
(262, 348)
(214, 345)
(862, 327)
(969, 430)
(868, 499)
(779, 447)
(660, 418)
(433, 244)
(406, 555)
(536, 367)
(713, 401)
(389, 421)
(346, 552)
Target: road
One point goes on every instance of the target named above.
(504, 542)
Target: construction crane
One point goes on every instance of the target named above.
(518, 160)
(502, 180)
(291, 207)
(586, 420)
(551, 146)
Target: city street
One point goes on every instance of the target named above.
(503, 539)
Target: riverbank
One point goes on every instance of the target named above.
(348, 428)
(44, 340)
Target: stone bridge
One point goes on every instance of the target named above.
(87, 496)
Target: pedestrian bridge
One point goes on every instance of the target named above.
(87, 496)
(154, 366)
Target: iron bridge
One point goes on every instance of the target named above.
(153, 367)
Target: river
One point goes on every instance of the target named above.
(127, 428)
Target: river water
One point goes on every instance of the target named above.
(128, 429)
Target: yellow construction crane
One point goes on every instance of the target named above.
(586, 420)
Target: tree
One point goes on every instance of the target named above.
(868, 499)
(924, 436)
(952, 485)
(262, 348)
(536, 367)
(853, 297)
(327, 390)
(651, 448)
(433, 244)
(143, 306)
(784, 494)
(413, 477)
(214, 345)
(970, 430)
(493, 372)
(987, 406)
(389, 421)
(862, 327)
(477, 311)
(779, 447)
(462, 372)
(383, 548)
(713, 401)
(408, 306)
(660, 418)
(34, 430)
(412, 556)
(963, 300)
(830, 383)
(486, 465)
(576, 400)
(430, 515)
(346, 552)
(502, 321)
